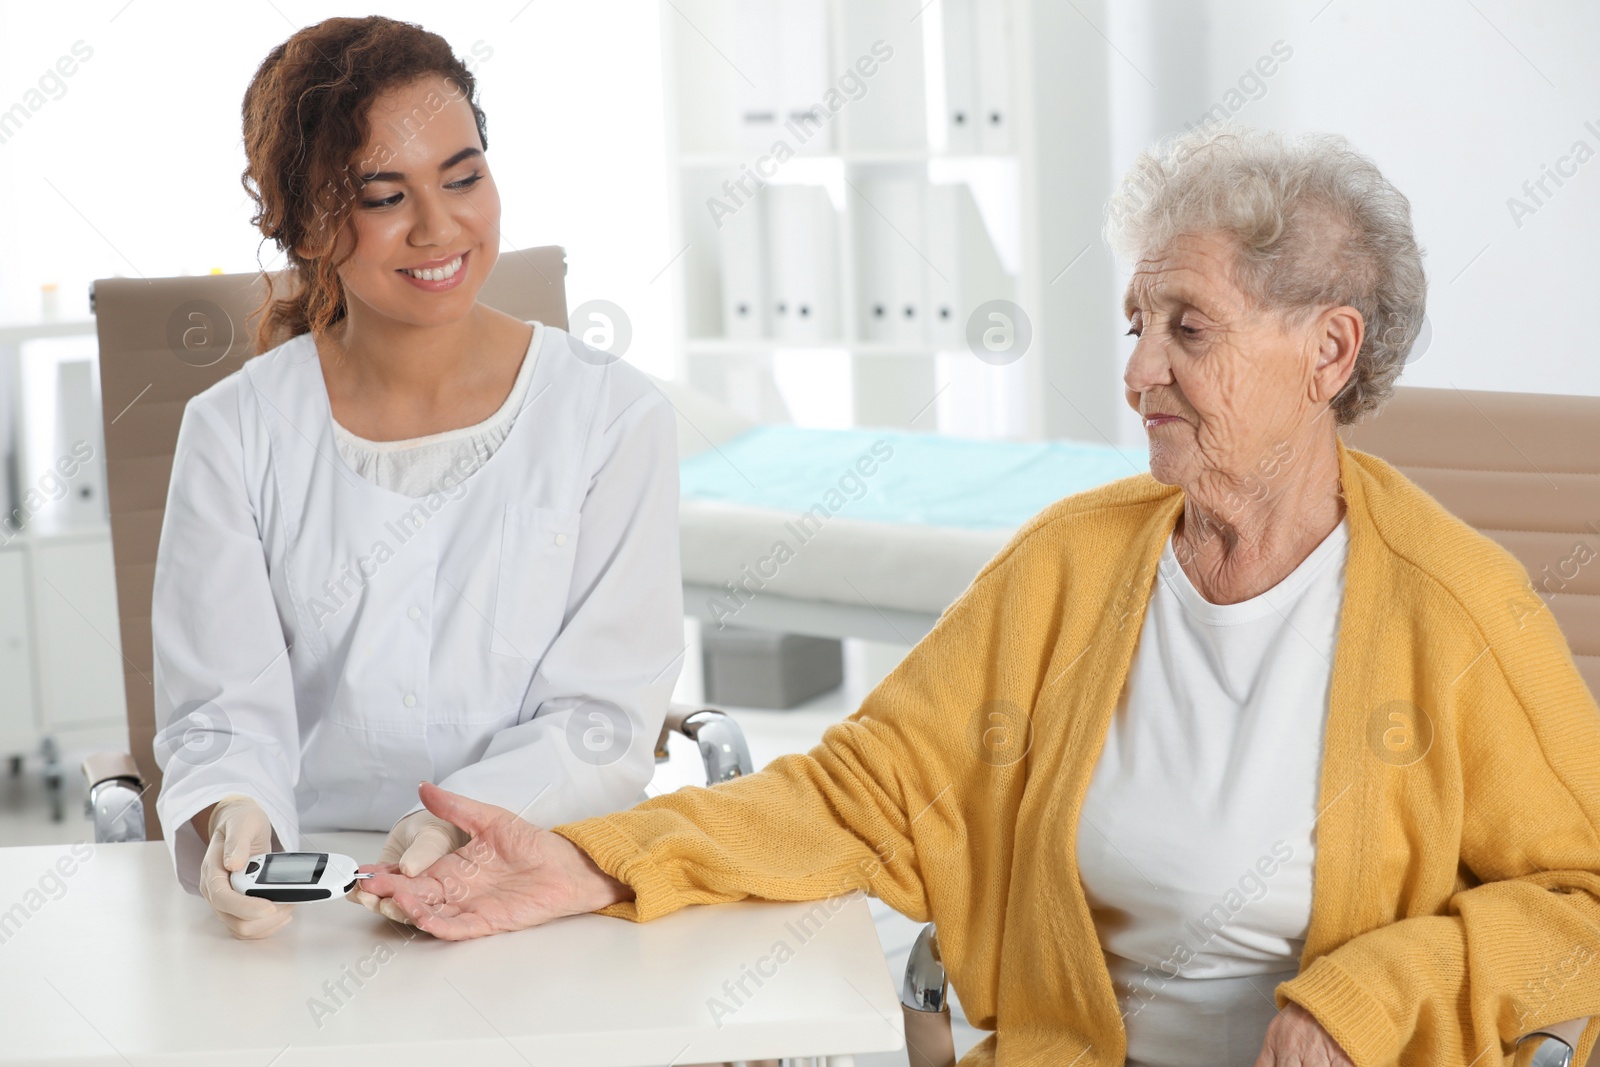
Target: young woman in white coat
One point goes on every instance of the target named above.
(419, 539)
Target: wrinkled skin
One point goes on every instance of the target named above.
(509, 876)
(1296, 1039)
(1236, 405)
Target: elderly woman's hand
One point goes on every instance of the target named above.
(1296, 1039)
(509, 876)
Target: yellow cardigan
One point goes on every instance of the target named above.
(1456, 887)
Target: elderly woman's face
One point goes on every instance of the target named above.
(1221, 383)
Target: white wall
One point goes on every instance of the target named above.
(134, 168)
(1459, 103)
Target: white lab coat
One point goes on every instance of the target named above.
(323, 644)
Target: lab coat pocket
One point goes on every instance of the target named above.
(537, 547)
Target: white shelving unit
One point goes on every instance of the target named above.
(60, 641)
(891, 133)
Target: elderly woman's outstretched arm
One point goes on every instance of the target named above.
(920, 785)
(915, 791)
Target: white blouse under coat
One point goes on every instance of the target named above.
(417, 466)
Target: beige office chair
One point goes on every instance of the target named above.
(1523, 468)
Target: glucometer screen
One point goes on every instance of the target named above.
(292, 868)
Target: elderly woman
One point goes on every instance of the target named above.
(1245, 761)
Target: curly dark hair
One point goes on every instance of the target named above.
(305, 119)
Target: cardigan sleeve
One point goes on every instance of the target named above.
(911, 798)
(1519, 948)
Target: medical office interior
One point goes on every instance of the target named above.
(889, 325)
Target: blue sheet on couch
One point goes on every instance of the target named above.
(926, 478)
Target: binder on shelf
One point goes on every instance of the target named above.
(77, 435)
(963, 113)
(969, 272)
(889, 110)
(893, 263)
(993, 50)
(946, 320)
(802, 35)
(757, 56)
(742, 248)
(802, 248)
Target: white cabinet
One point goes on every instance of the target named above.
(78, 639)
(60, 641)
(18, 725)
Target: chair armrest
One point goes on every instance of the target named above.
(1568, 1033)
(116, 797)
(101, 766)
(722, 744)
(673, 723)
(925, 1005)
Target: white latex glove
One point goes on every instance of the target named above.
(239, 830)
(416, 843)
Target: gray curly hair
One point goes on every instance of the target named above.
(1314, 221)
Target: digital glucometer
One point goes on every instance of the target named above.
(295, 877)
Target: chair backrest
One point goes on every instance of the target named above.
(162, 341)
(1523, 468)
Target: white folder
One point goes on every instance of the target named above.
(892, 260)
(803, 75)
(757, 55)
(802, 246)
(742, 246)
(963, 114)
(946, 311)
(78, 425)
(993, 41)
(965, 270)
(889, 112)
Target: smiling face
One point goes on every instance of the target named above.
(426, 212)
(1223, 384)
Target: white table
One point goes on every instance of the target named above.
(115, 964)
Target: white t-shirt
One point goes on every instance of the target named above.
(1197, 836)
(417, 466)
